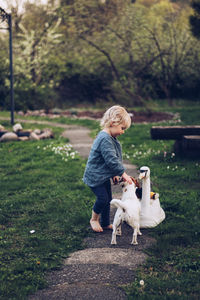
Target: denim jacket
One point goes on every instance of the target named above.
(105, 160)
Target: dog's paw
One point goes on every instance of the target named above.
(140, 233)
(134, 243)
(113, 242)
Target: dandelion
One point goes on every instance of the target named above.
(141, 282)
(167, 167)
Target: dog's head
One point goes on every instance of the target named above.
(129, 187)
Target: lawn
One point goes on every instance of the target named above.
(172, 270)
(40, 184)
(42, 216)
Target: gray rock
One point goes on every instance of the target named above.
(9, 136)
(47, 133)
(34, 136)
(17, 127)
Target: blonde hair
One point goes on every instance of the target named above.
(115, 115)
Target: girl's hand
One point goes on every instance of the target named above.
(127, 178)
(116, 179)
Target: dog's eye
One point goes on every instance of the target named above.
(122, 185)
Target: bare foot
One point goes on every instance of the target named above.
(96, 226)
(108, 227)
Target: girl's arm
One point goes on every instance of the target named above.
(109, 154)
(110, 157)
(127, 178)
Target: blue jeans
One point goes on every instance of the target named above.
(102, 205)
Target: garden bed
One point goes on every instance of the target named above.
(137, 117)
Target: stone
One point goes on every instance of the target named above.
(2, 128)
(17, 127)
(8, 137)
(47, 133)
(34, 136)
(23, 138)
(37, 131)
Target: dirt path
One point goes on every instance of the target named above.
(100, 270)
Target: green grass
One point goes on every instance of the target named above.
(38, 189)
(172, 270)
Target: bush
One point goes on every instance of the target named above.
(79, 85)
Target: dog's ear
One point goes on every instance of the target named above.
(136, 182)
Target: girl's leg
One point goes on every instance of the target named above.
(105, 215)
(102, 204)
(94, 222)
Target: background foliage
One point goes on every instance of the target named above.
(87, 51)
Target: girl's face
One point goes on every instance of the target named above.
(116, 130)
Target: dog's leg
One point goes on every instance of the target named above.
(114, 233)
(119, 230)
(134, 240)
(116, 224)
(119, 224)
(138, 230)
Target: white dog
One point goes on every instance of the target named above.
(128, 210)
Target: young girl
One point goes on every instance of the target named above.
(105, 162)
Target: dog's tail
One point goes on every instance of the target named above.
(119, 204)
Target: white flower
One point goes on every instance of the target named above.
(64, 151)
(167, 167)
(32, 231)
(142, 282)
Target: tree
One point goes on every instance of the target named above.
(171, 38)
(93, 23)
(37, 56)
(195, 18)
